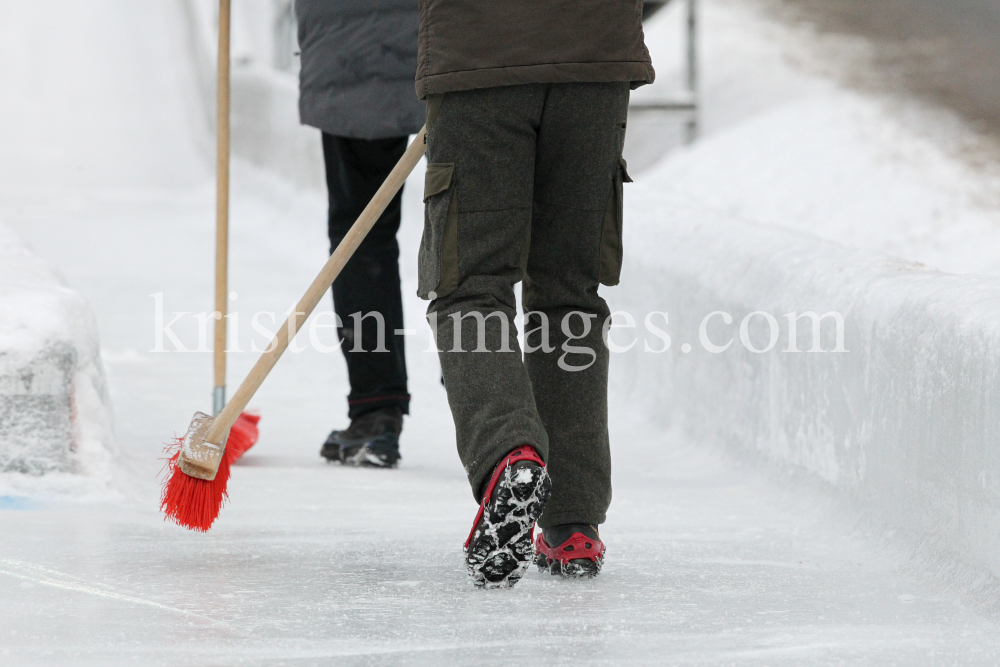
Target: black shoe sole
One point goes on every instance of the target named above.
(379, 452)
(578, 568)
(501, 548)
(367, 456)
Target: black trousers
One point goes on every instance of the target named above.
(355, 168)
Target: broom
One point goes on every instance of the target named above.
(188, 501)
(211, 444)
(198, 464)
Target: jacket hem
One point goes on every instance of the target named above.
(368, 113)
(638, 73)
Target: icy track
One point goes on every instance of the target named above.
(710, 561)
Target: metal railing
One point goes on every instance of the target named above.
(687, 100)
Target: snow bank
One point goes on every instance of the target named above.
(906, 420)
(787, 141)
(265, 127)
(55, 415)
(846, 167)
(786, 206)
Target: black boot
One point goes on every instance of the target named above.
(572, 550)
(372, 440)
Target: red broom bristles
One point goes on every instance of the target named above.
(194, 503)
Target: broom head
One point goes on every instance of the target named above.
(194, 500)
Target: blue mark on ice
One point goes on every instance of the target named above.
(16, 503)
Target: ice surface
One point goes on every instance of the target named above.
(710, 559)
(313, 564)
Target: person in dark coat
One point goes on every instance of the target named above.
(359, 58)
(527, 112)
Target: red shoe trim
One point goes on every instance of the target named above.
(522, 453)
(579, 543)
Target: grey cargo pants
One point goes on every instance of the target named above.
(524, 184)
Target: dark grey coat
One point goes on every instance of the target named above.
(359, 58)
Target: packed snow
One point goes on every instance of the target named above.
(55, 412)
(786, 144)
(713, 557)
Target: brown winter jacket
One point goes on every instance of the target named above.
(466, 44)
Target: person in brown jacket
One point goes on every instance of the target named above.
(527, 108)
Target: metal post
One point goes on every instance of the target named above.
(692, 69)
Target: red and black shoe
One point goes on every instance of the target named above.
(572, 550)
(499, 548)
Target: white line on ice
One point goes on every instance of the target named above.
(90, 590)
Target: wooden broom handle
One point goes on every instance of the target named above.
(222, 195)
(317, 289)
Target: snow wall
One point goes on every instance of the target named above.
(55, 412)
(906, 421)
(264, 101)
(903, 423)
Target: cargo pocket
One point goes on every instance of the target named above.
(611, 235)
(438, 256)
